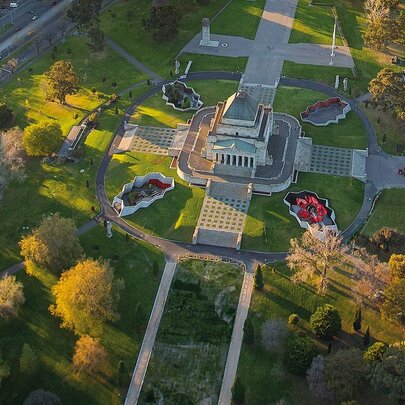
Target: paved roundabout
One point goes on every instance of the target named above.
(380, 175)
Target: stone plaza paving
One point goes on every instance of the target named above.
(152, 140)
(221, 213)
(331, 160)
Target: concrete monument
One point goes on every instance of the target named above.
(205, 34)
(345, 83)
(176, 67)
(337, 82)
(109, 229)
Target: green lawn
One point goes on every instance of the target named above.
(49, 188)
(158, 55)
(212, 63)
(190, 351)
(393, 129)
(323, 74)
(26, 94)
(388, 212)
(133, 262)
(247, 14)
(61, 188)
(313, 24)
(175, 216)
(347, 133)
(262, 371)
(155, 112)
(269, 226)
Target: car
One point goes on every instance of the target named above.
(31, 12)
(34, 17)
(17, 28)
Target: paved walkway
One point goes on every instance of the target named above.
(132, 60)
(235, 346)
(270, 47)
(150, 335)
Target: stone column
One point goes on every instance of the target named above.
(206, 35)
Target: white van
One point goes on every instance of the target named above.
(14, 4)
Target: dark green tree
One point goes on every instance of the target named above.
(62, 81)
(366, 337)
(123, 376)
(163, 21)
(325, 322)
(298, 354)
(6, 115)
(96, 38)
(248, 332)
(155, 268)
(85, 12)
(357, 319)
(258, 278)
(238, 392)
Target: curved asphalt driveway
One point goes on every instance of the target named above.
(376, 179)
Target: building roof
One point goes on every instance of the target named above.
(241, 106)
(235, 144)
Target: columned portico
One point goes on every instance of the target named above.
(235, 160)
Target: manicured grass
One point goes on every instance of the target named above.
(175, 216)
(313, 24)
(155, 112)
(388, 212)
(347, 133)
(393, 129)
(247, 15)
(269, 226)
(212, 63)
(132, 36)
(190, 351)
(133, 262)
(262, 371)
(323, 74)
(54, 188)
(27, 93)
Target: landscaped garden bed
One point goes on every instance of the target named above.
(189, 355)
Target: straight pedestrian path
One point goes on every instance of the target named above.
(132, 60)
(150, 335)
(235, 346)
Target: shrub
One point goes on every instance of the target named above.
(298, 355)
(293, 319)
(375, 352)
(114, 84)
(325, 322)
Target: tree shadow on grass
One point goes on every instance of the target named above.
(287, 304)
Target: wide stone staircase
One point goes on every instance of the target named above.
(223, 214)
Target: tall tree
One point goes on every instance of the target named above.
(53, 245)
(371, 277)
(357, 319)
(388, 91)
(42, 139)
(313, 259)
(85, 12)
(388, 374)
(89, 356)
(96, 37)
(62, 81)
(258, 278)
(163, 21)
(366, 337)
(6, 116)
(397, 266)
(393, 306)
(83, 312)
(316, 379)
(345, 373)
(11, 297)
(325, 322)
(238, 392)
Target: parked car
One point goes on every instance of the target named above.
(34, 17)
